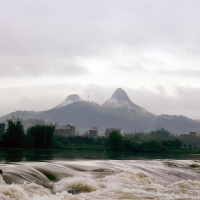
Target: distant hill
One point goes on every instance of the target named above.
(118, 112)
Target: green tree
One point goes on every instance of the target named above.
(14, 135)
(155, 145)
(162, 134)
(116, 141)
(177, 143)
(41, 135)
(49, 135)
(131, 145)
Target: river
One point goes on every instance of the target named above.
(81, 174)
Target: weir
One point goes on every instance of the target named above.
(101, 179)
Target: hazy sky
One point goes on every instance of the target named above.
(150, 48)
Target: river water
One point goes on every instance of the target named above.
(79, 174)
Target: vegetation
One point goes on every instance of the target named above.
(14, 136)
(190, 142)
(80, 142)
(38, 136)
(116, 141)
(42, 136)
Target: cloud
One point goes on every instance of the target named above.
(183, 100)
(92, 27)
(99, 46)
(51, 38)
(36, 66)
(35, 98)
(181, 72)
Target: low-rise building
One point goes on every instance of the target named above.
(85, 134)
(93, 131)
(193, 134)
(66, 130)
(109, 130)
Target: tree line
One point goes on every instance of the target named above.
(157, 141)
(42, 136)
(37, 136)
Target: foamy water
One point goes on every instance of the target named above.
(122, 179)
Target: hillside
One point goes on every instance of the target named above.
(118, 111)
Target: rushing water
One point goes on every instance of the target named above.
(74, 175)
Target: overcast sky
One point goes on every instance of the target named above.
(51, 49)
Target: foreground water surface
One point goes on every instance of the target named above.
(79, 174)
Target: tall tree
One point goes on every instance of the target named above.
(42, 135)
(116, 141)
(14, 135)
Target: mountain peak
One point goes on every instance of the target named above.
(120, 95)
(72, 98)
(120, 99)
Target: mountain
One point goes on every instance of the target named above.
(117, 112)
(70, 99)
(120, 99)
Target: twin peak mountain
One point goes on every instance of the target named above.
(119, 99)
(117, 112)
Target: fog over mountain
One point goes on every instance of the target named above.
(118, 112)
(120, 99)
(70, 99)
